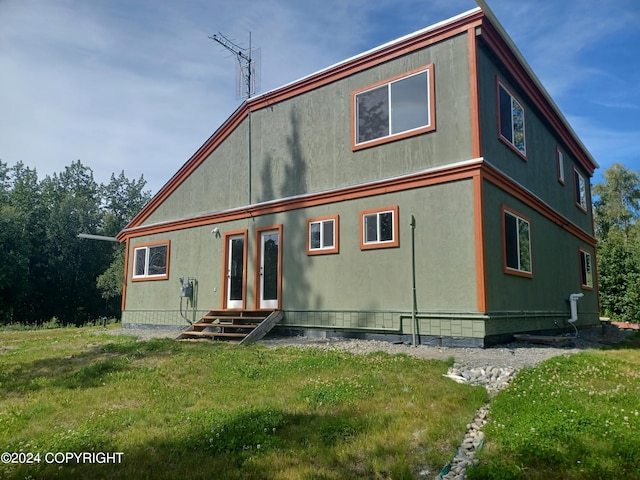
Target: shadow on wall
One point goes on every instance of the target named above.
(293, 181)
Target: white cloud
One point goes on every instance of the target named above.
(137, 85)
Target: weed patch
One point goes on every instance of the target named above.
(571, 417)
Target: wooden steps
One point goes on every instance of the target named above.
(241, 326)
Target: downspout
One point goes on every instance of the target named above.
(414, 308)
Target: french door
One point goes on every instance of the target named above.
(269, 273)
(235, 269)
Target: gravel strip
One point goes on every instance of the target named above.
(513, 355)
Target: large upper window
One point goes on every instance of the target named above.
(395, 108)
(517, 244)
(323, 235)
(379, 228)
(511, 120)
(151, 262)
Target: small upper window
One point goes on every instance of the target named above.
(151, 262)
(586, 270)
(560, 165)
(395, 108)
(379, 228)
(323, 235)
(511, 120)
(517, 244)
(580, 186)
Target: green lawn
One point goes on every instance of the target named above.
(194, 410)
(571, 417)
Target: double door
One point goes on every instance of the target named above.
(267, 259)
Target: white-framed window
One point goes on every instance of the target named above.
(586, 269)
(322, 234)
(151, 261)
(580, 187)
(511, 120)
(379, 228)
(517, 243)
(560, 165)
(395, 108)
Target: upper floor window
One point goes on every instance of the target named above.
(323, 235)
(560, 165)
(511, 120)
(151, 261)
(517, 243)
(580, 186)
(395, 108)
(379, 228)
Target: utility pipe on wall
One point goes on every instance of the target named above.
(414, 309)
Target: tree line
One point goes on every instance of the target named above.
(47, 271)
(616, 220)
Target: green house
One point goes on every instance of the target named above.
(435, 167)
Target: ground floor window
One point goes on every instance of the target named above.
(323, 235)
(586, 269)
(517, 243)
(379, 228)
(151, 261)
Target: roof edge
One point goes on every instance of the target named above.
(488, 13)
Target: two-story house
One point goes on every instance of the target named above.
(427, 187)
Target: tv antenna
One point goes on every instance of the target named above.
(247, 71)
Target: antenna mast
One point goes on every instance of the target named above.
(246, 65)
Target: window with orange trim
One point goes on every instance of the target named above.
(394, 108)
(323, 235)
(580, 190)
(379, 228)
(511, 120)
(586, 270)
(517, 243)
(151, 261)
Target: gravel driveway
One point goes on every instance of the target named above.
(514, 355)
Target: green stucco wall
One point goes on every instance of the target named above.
(539, 171)
(353, 279)
(534, 302)
(303, 144)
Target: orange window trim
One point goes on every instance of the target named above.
(576, 188)
(336, 236)
(155, 277)
(397, 136)
(581, 267)
(396, 232)
(513, 271)
(225, 266)
(500, 83)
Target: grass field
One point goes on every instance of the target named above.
(574, 417)
(164, 409)
(192, 410)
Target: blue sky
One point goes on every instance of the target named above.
(136, 85)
